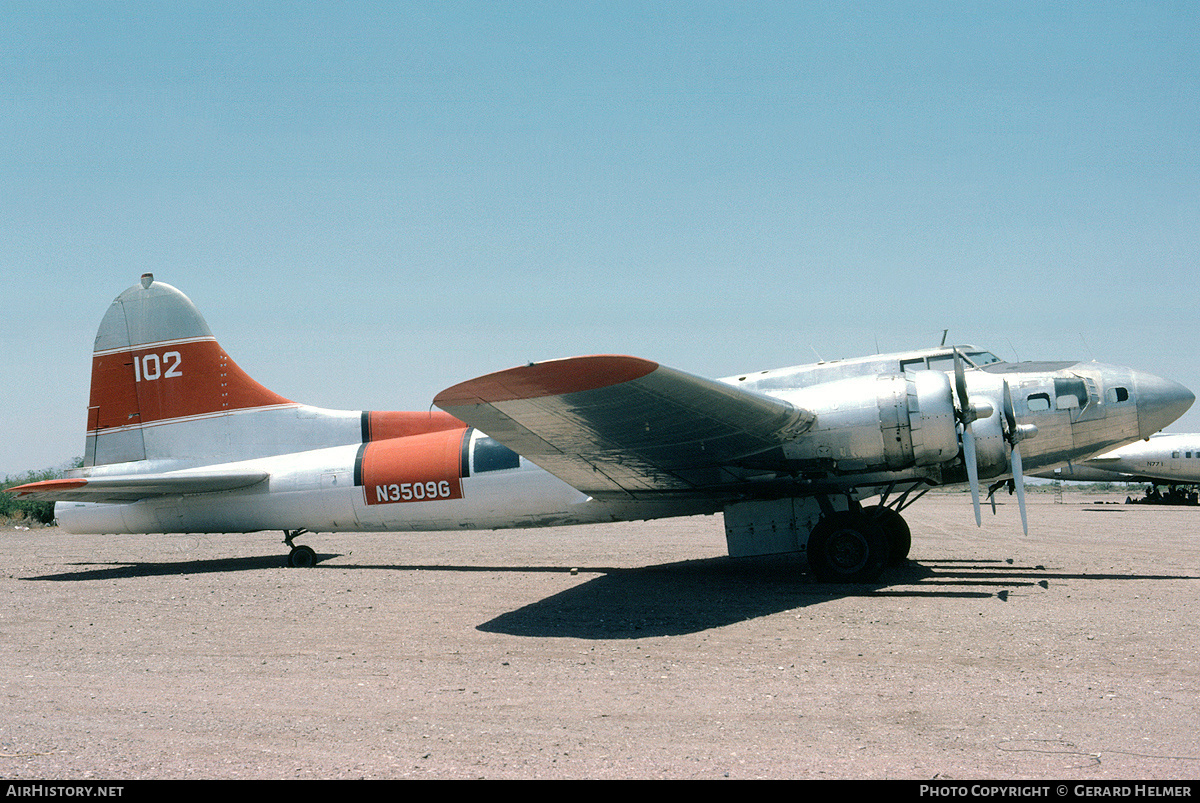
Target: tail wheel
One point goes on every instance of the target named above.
(895, 528)
(302, 557)
(848, 548)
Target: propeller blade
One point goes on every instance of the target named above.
(1019, 485)
(960, 382)
(1015, 435)
(1010, 413)
(966, 415)
(972, 470)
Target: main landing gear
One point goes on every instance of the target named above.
(895, 528)
(856, 545)
(301, 556)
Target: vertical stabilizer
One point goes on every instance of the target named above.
(156, 366)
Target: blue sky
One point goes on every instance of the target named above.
(371, 202)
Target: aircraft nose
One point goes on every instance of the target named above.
(1159, 402)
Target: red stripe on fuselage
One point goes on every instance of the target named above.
(417, 468)
(169, 380)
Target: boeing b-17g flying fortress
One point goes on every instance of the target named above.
(181, 440)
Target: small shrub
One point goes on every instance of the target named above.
(23, 509)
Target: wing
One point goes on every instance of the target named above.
(611, 425)
(132, 487)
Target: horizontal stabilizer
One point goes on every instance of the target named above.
(132, 487)
(621, 425)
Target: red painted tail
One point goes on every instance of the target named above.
(156, 363)
(165, 395)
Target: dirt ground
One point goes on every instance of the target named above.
(617, 651)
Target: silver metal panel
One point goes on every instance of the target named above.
(772, 527)
(153, 314)
(120, 446)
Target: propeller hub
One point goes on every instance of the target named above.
(1023, 432)
(977, 410)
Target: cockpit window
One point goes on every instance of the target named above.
(980, 358)
(945, 362)
(942, 363)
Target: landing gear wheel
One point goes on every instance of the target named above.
(302, 557)
(847, 548)
(895, 528)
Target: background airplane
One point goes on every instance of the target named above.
(1163, 459)
(180, 439)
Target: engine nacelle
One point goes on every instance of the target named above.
(929, 402)
(886, 423)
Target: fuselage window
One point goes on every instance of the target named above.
(1070, 393)
(491, 455)
(1067, 401)
(1117, 394)
(1039, 402)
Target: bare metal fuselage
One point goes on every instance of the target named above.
(872, 429)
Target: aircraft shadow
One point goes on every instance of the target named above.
(678, 598)
(114, 570)
(686, 597)
(671, 598)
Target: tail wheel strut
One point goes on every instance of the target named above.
(301, 556)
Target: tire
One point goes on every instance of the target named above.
(302, 557)
(897, 532)
(847, 548)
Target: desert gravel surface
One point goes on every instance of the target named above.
(616, 651)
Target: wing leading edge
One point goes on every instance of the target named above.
(614, 425)
(132, 487)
